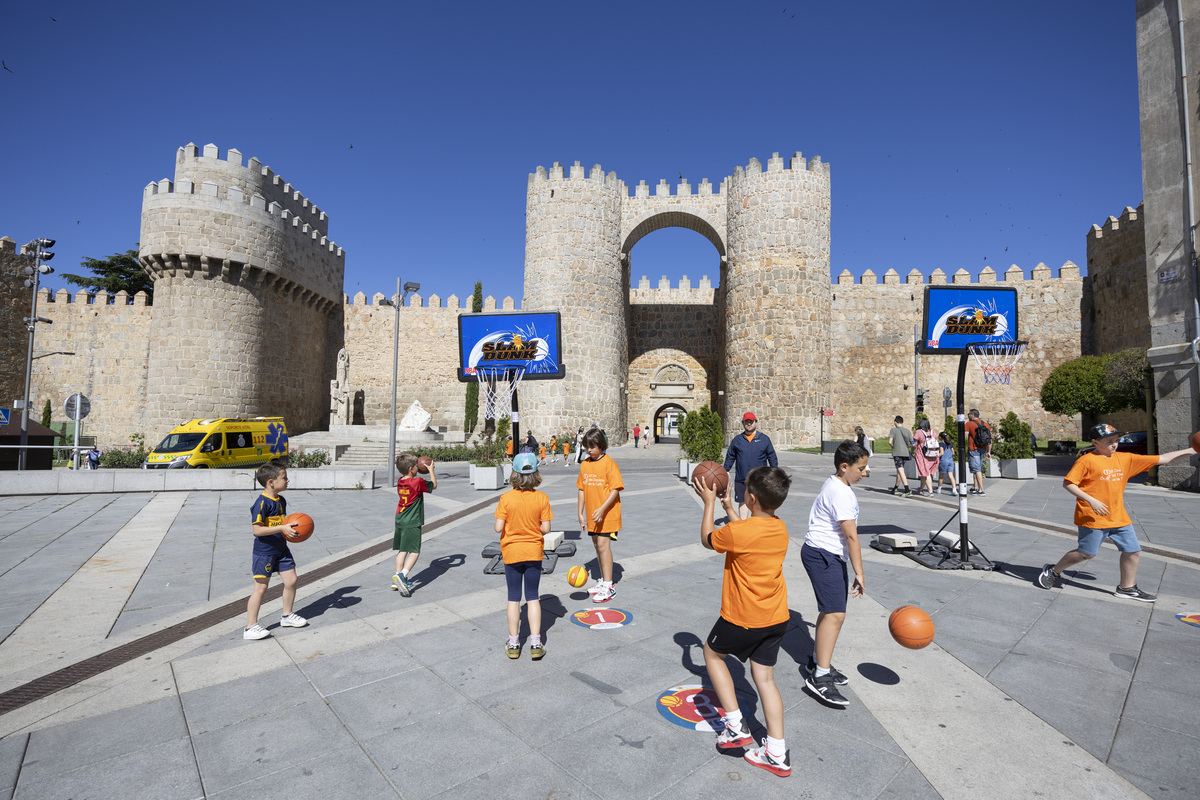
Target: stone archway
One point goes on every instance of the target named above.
(666, 423)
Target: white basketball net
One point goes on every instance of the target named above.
(997, 359)
(497, 403)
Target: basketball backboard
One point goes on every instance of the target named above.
(956, 316)
(496, 342)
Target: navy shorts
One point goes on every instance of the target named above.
(739, 492)
(829, 577)
(760, 645)
(527, 572)
(264, 566)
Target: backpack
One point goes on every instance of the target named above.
(932, 446)
(983, 436)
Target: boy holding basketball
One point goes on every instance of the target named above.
(410, 517)
(600, 486)
(522, 517)
(1097, 482)
(271, 553)
(831, 541)
(754, 608)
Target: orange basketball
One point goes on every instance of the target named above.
(712, 475)
(911, 627)
(304, 526)
(577, 576)
(1196, 441)
(423, 464)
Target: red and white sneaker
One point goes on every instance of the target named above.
(759, 757)
(733, 738)
(605, 594)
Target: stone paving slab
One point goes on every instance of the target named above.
(383, 681)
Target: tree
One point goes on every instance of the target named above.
(1014, 438)
(701, 435)
(1097, 384)
(118, 272)
(472, 415)
(46, 411)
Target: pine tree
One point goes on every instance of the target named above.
(118, 272)
(46, 413)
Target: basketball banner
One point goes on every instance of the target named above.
(520, 340)
(956, 316)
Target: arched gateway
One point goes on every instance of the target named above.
(765, 329)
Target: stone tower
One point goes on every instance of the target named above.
(246, 285)
(777, 297)
(771, 232)
(573, 265)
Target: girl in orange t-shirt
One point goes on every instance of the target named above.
(522, 517)
(600, 486)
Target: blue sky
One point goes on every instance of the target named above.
(960, 135)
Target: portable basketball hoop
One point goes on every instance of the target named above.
(997, 359)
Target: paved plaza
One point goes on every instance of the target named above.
(1068, 693)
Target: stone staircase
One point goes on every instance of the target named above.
(363, 455)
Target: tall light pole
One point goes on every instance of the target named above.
(397, 302)
(37, 252)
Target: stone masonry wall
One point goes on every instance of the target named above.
(14, 307)
(871, 375)
(110, 337)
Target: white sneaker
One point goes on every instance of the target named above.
(293, 621)
(597, 588)
(605, 594)
(255, 631)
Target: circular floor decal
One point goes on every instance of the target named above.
(693, 707)
(599, 619)
(1190, 619)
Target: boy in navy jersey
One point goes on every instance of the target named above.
(271, 553)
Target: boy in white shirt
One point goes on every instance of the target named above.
(832, 540)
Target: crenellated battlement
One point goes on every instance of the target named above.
(84, 298)
(1113, 224)
(576, 173)
(663, 293)
(207, 192)
(776, 164)
(360, 303)
(1014, 274)
(197, 166)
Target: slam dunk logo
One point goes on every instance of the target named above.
(971, 321)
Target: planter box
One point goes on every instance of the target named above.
(993, 469)
(507, 471)
(684, 471)
(489, 478)
(691, 467)
(1022, 469)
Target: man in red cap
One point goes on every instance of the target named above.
(749, 449)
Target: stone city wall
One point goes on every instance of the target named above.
(14, 307)
(110, 339)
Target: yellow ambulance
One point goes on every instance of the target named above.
(221, 443)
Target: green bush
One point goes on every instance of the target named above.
(951, 429)
(1097, 384)
(129, 457)
(46, 411)
(1014, 438)
(701, 435)
(308, 459)
(446, 452)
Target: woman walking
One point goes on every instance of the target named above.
(929, 453)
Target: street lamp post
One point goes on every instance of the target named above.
(37, 252)
(397, 302)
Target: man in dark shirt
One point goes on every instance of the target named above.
(749, 449)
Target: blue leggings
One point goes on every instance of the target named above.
(530, 572)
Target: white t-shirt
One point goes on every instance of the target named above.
(836, 503)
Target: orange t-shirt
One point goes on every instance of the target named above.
(597, 479)
(1104, 478)
(753, 594)
(508, 447)
(542, 452)
(523, 513)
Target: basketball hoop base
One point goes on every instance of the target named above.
(936, 556)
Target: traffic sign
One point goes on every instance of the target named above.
(828, 412)
(77, 407)
(4, 416)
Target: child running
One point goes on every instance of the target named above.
(522, 517)
(410, 518)
(600, 486)
(271, 553)
(754, 609)
(832, 540)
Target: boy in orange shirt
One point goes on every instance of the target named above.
(522, 517)
(1097, 481)
(754, 609)
(600, 486)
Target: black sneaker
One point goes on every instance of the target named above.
(980, 492)
(1048, 577)
(810, 670)
(1134, 593)
(907, 492)
(825, 689)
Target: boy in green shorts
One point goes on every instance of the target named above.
(410, 517)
